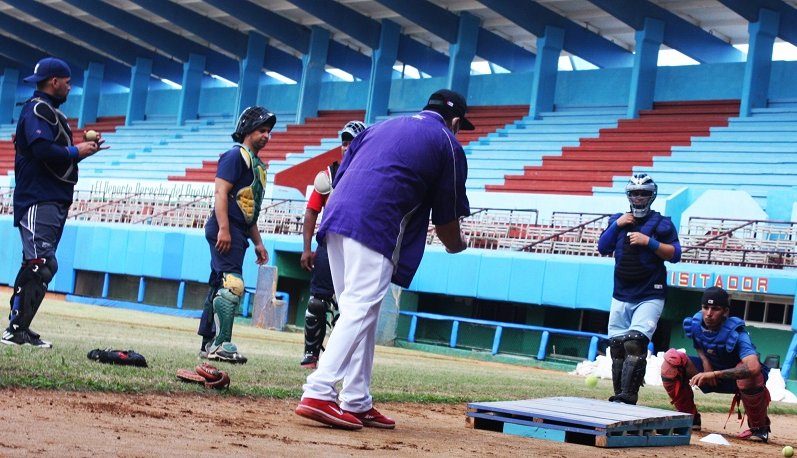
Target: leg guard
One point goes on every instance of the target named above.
(315, 325)
(673, 377)
(225, 306)
(755, 399)
(30, 287)
(207, 325)
(617, 351)
(635, 345)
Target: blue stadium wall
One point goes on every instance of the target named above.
(168, 256)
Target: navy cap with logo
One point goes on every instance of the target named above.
(453, 103)
(715, 296)
(49, 67)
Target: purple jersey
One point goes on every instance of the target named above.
(393, 175)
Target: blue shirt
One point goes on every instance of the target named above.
(233, 169)
(40, 160)
(714, 343)
(392, 176)
(654, 284)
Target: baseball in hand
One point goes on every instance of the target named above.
(788, 451)
(92, 136)
(591, 381)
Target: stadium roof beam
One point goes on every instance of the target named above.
(77, 56)
(445, 24)
(106, 42)
(226, 38)
(294, 35)
(749, 9)
(167, 41)
(367, 31)
(577, 40)
(679, 34)
(20, 56)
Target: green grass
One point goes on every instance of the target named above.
(169, 343)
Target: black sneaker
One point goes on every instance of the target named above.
(24, 337)
(696, 423)
(310, 361)
(11, 338)
(755, 434)
(226, 352)
(624, 398)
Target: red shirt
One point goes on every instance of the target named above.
(317, 201)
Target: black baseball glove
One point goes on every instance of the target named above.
(121, 357)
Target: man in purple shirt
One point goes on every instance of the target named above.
(393, 176)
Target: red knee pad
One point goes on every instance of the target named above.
(674, 365)
(673, 377)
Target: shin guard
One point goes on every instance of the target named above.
(315, 325)
(673, 377)
(225, 306)
(755, 399)
(30, 287)
(617, 351)
(633, 378)
(207, 325)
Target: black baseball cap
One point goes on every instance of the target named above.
(715, 296)
(452, 102)
(47, 68)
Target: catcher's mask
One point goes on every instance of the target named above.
(351, 130)
(250, 120)
(641, 191)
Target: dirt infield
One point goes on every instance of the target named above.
(57, 423)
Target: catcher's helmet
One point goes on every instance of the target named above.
(250, 120)
(351, 130)
(641, 191)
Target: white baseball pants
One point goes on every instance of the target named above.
(361, 277)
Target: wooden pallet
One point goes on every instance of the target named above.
(584, 421)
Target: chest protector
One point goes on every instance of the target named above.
(249, 198)
(65, 170)
(723, 340)
(630, 268)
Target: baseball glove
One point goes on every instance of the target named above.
(120, 357)
(207, 375)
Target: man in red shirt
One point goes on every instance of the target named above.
(322, 299)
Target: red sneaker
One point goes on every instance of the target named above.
(373, 419)
(327, 412)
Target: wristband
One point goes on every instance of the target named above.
(72, 151)
(653, 244)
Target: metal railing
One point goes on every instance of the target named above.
(753, 243)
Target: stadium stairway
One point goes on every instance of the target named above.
(525, 141)
(103, 124)
(313, 137)
(156, 148)
(753, 154)
(6, 157)
(616, 151)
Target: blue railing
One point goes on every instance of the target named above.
(499, 328)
